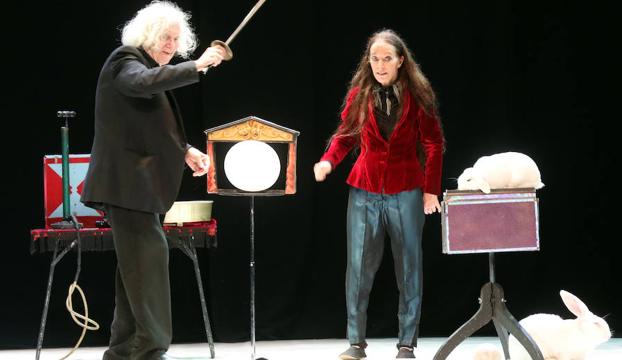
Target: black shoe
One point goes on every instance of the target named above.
(405, 352)
(355, 352)
(111, 355)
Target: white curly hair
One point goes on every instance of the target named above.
(153, 20)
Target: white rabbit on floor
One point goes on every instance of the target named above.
(563, 339)
(560, 339)
(501, 171)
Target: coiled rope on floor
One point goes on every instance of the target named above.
(82, 320)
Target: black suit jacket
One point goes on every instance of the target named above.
(137, 159)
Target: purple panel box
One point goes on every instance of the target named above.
(504, 220)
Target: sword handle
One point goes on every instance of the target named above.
(228, 52)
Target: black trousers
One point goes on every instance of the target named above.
(141, 328)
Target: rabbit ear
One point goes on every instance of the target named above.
(574, 304)
(482, 184)
(477, 180)
(464, 179)
(468, 173)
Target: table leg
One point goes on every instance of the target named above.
(56, 257)
(191, 252)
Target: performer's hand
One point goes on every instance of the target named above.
(321, 169)
(197, 161)
(430, 204)
(212, 56)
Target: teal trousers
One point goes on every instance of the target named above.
(370, 216)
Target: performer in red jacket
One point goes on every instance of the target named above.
(390, 114)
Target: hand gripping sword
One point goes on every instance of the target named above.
(225, 44)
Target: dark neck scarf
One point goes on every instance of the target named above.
(386, 106)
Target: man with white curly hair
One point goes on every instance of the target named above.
(136, 167)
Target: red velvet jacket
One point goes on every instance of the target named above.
(392, 166)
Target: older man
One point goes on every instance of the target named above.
(136, 168)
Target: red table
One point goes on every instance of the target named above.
(187, 238)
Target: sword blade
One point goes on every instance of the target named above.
(246, 19)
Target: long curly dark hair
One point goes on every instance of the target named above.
(409, 78)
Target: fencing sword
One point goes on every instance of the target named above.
(225, 44)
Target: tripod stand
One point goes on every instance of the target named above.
(252, 262)
(492, 308)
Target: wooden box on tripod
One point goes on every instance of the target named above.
(503, 220)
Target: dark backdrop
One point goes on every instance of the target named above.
(510, 75)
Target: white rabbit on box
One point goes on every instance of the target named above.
(501, 171)
(570, 339)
